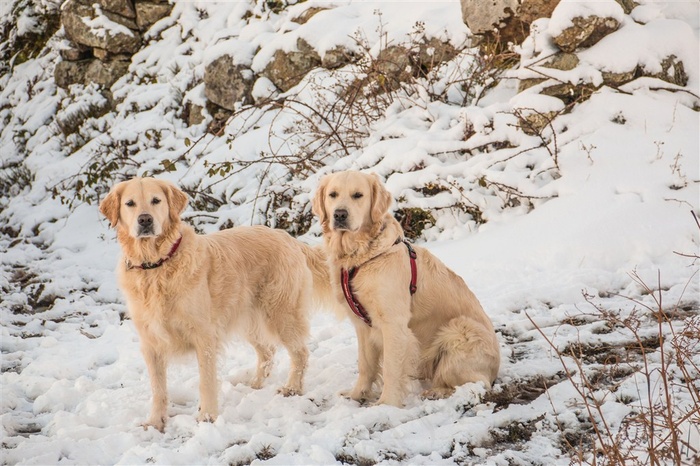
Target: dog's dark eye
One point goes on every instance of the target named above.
(333, 195)
(155, 201)
(130, 203)
(357, 195)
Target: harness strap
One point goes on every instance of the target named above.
(414, 268)
(346, 276)
(354, 304)
(155, 265)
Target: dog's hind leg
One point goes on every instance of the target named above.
(299, 356)
(293, 334)
(266, 355)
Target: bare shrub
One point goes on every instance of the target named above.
(663, 370)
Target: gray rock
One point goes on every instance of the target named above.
(562, 61)
(433, 52)
(618, 79)
(148, 13)
(510, 18)
(72, 18)
(337, 57)
(105, 73)
(627, 5)
(121, 7)
(394, 63)
(529, 82)
(194, 114)
(483, 17)
(585, 32)
(308, 14)
(75, 52)
(533, 123)
(569, 93)
(70, 72)
(226, 84)
(530, 10)
(287, 69)
(673, 71)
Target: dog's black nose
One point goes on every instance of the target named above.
(145, 220)
(340, 215)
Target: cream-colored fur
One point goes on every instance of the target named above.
(441, 333)
(253, 280)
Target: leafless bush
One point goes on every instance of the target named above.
(663, 368)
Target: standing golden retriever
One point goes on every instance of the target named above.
(186, 292)
(440, 333)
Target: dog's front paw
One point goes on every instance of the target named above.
(289, 391)
(360, 396)
(157, 423)
(257, 383)
(206, 415)
(389, 400)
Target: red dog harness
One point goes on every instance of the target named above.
(346, 276)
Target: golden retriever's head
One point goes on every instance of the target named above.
(350, 201)
(143, 207)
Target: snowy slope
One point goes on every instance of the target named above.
(616, 201)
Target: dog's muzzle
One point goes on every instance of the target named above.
(145, 222)
(340, 219)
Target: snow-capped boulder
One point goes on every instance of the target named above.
(585, 32)
(582, 24)
(93, 26)
(227, 83)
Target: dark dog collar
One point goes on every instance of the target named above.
(155, 265)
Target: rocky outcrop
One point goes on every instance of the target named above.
(103, 36)
(92, 26)
(552, 77)
(506, 20)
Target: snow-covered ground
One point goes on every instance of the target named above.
(613, 210)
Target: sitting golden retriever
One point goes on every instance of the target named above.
(186, 292)
(439, 333)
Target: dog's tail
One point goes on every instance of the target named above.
(464, 350)
(323, 296)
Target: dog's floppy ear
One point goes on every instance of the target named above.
(381, 199)
(177, 200)
(317, 205)
(109, 207)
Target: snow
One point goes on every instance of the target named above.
(613, 205)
